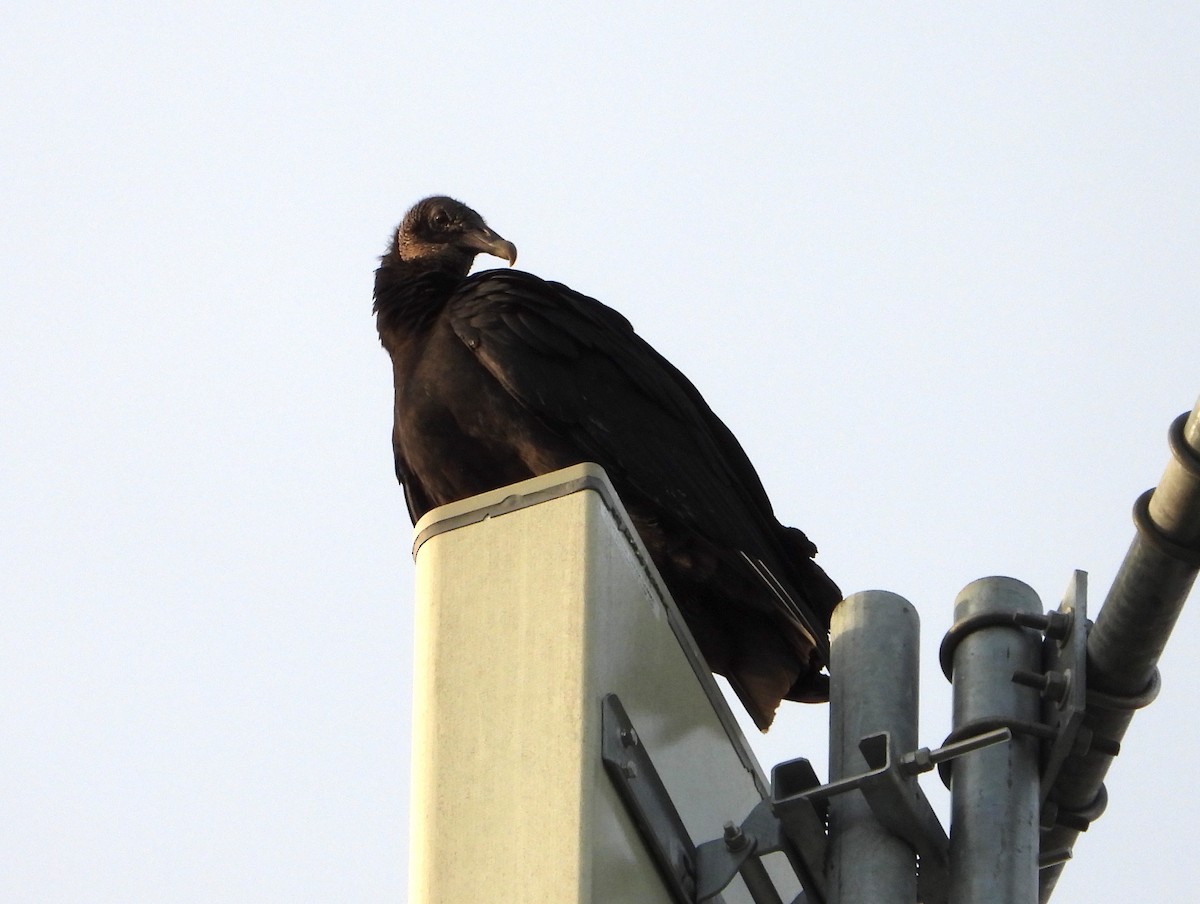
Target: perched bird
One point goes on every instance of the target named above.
(501, 376)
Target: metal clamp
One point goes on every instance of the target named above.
(792, 820)
(978, 622)
(1153, 534)
(1130, 703)
(649, 804)
(894, 796)
(739, 852)
(1061, 681)
(1064, 661)
(1185, 454)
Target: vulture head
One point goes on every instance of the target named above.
(440, 233)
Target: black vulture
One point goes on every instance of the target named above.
(501, 376)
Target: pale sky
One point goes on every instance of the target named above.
(935, 266)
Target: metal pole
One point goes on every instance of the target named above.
(1148, 593)
(1130, 633)
(994, 792)
(875, 640)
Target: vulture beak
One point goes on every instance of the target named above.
(482, 239)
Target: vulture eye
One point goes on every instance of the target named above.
(440, 219)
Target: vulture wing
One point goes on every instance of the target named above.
(579, 368)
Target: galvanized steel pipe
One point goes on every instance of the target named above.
(875, 646)
(994, 793)
(1132, 629)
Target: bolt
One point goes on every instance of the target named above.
(1030, 620)
(1059, 627)
(922, 761)
(1035, 680)
(629, 770)
(1052, 685)
(1058, 685)
(734, 839)
(629, 737)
